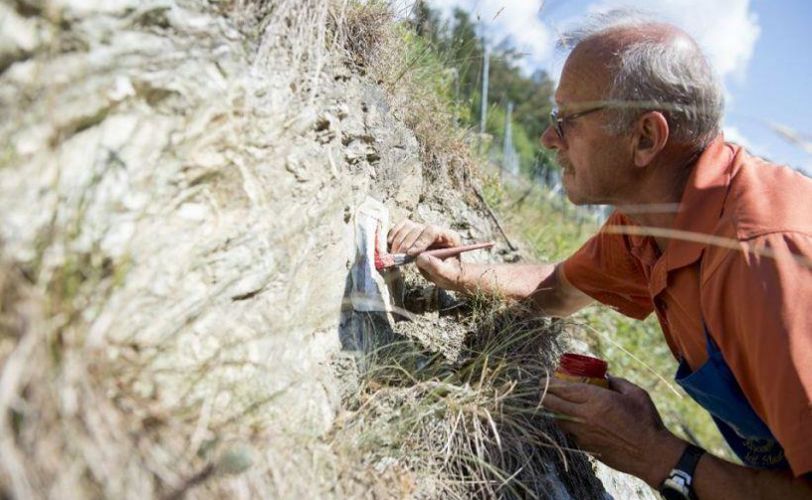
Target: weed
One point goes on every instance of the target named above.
(366, 28)
(493, 191)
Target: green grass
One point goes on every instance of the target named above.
(552, 228)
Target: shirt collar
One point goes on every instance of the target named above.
(702, 203)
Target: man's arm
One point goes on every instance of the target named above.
(716, 478)
(543, 285)
(622, 428)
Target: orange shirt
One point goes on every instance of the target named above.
(740, 258)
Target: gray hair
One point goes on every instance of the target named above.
(671, 75)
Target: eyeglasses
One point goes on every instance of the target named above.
(558, 121)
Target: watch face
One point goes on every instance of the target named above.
(677, 486)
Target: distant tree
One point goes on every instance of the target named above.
(458, 43)
(466, 53)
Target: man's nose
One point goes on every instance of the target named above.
(549, 138)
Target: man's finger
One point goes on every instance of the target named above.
(423, 242)
(400, 238)
(394, 231)
(408, 241)
(432, 265)
(559, 405)
(454, 238)
(399, 233)
(569, 426)
(622, 385)
(576, 392)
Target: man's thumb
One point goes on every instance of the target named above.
(429, 264)
(622, 385)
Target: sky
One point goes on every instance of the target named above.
(761, 49)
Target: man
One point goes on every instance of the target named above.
(717, 243)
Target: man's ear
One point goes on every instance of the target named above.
(650, 137)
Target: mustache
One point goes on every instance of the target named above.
(563, 163)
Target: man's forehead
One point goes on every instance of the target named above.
(583, 78)
(589, 69)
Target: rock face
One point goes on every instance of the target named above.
(193, 177)
(177, 185)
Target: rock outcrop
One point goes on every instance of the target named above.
(178, 180)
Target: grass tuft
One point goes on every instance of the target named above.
(470, 426)
(366, 27)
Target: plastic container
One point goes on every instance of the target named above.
(584, 369)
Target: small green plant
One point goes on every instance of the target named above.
(492, 190)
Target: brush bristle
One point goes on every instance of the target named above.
(383, 261)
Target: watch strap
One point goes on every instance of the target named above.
(679, 483)
(690, 457)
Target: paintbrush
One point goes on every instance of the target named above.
(387, 260)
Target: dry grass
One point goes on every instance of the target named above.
(470, 427)
(83, 419)
(365, 29)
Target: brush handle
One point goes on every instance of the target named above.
(398, 259)
(441, 253)
(444, 253)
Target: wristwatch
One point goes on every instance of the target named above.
(679, 485)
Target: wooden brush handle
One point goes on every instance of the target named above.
(444, 253)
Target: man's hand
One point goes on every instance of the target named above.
(411, 238)
(620, 426)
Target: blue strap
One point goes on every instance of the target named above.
(715, 388)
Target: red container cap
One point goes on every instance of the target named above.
(583, 366)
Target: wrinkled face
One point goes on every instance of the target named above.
(595, 164)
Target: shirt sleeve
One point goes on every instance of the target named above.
(605, 269)
(760, 307)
